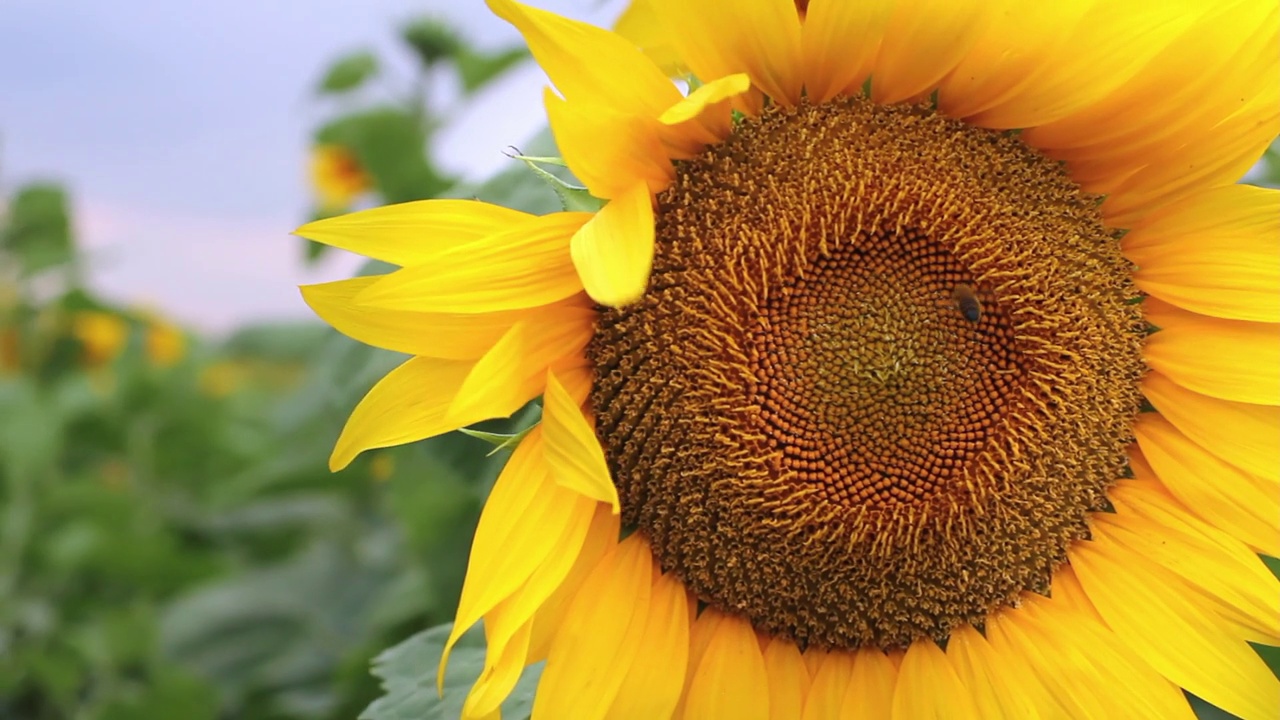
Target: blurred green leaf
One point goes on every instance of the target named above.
(432, 40)
(477, 69)
(349, 72)
(39, 228)
(408, 674)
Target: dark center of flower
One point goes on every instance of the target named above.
(885, 367)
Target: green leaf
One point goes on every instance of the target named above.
(39, 229)
(477, 69)
(349, 72)
(432, 40)
(408, 673)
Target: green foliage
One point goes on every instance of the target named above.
(432, 40)
(408, 672)
(349, 72)
(38, 231)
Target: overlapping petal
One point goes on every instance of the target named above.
(758, 37)
(606, 622)
(730, 679)
(1242, 434)
(522, 266)
(1220, 493)
(614, 252)
(1228, 359)
(413, 232)
(1213, 253)
(1174, 633)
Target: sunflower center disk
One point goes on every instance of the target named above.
(885, 367)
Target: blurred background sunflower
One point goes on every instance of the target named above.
(819, 360)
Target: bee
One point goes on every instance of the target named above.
(967, 300)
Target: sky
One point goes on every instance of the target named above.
(182, 132)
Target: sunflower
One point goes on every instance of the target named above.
(337, 177)
(922, 361)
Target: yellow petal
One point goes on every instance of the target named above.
(703, 117)
(1213, 253)
(830, 686)
(498, 678)
(1227, 359)
(412, 232)
(1026, 71)
(641, 25)
(652, 688)
(1232, 578)
(614, 252)
(526, 510)
(573, 453)
(409, 404)
(1208, 53)
(758, 37)
(610, 152)
(996, 687)
(514, 370)
(788, 679)
(1244, 435)
(702, 627)
(596, 646)
(451, 336)
(1174, 633)
(1222, 156)
(839, 41)
(524, 266)
(730, 680)
(1051, 682)
(602, 536)
(871, 689)
(1220, 493)
(507, 621)
(1090, 656)
(947, 28)
(590, 64)
(928, 686)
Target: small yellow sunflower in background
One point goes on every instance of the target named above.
(923, 362)
(337, 177)
(102, 336)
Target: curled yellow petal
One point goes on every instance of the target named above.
(573, 453)
(614, 252)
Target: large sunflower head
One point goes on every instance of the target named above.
(922, 361)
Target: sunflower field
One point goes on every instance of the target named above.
(278, 524)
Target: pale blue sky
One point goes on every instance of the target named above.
(182, 127)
